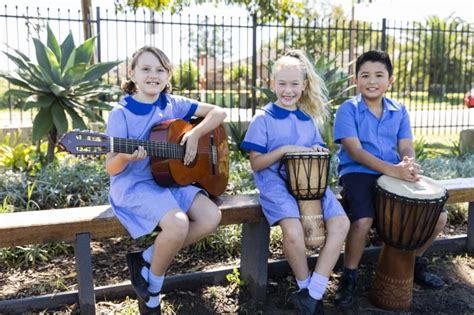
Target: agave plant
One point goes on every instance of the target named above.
(63, 86)
(337, 84)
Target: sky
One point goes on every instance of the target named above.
(405, 10)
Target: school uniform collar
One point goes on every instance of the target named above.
(281, 113)
(387, 104)
(139, 108)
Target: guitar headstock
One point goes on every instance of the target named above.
(84, 142)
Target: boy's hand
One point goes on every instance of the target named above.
(408, 170)
(319, 148)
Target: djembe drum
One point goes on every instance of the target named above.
(306, 180)
(406, 214)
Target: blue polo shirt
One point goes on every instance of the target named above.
(377, 136)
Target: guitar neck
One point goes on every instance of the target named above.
(153, 148)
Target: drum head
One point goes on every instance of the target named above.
(306, 153)
(424, 189)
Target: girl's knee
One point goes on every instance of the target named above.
(176, 222)
(338, 226)
(212, 219)
(293, 236)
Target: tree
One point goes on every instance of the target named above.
(264, 9)
(62, 86)
(437, 57)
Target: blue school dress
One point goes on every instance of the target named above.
(270, 129)
(136, 199)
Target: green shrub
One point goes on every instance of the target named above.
(457, 214)
(448, 167)
(241, 176)
(77, 184)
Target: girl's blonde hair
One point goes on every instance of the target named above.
(129, 86)
(314, 99)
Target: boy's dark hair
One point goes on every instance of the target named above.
(375, 56)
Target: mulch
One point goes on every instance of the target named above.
(58, 275)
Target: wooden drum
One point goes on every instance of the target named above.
(306, 180)
(406, 214)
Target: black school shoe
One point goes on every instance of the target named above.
(306, 304)
(135, 264)
(425, 278)
(345, 291)
(145, 310)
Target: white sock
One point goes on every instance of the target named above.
(317, 286)
(148, 254)
(303, 284)
(155, 284)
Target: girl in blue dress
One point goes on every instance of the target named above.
(183, 214)
(289, 125)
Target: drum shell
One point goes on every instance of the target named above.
(306, 175)
(406, 223)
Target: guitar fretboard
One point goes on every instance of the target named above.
(153, 148)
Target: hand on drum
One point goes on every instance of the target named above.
(295, 148)
(409, 170)
(319, 148)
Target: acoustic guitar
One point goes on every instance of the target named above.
(210, 168)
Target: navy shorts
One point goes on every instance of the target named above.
(358, 192)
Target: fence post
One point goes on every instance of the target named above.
(254, 63)
(384, 35)
(470, 228)
(97, 14)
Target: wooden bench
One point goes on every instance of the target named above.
(80, 225)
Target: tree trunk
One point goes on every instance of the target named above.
(52, 138)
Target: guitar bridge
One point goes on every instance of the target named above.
(213, 155)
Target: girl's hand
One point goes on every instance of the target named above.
(319, 148)
(295, 148)
(191, 140)
(137, 155)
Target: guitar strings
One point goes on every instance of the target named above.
(173, 147)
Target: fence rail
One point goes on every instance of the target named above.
(226, 60)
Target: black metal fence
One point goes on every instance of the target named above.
(225, 60)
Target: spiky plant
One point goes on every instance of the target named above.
(63, 86)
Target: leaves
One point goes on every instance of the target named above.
(67, 47)
(84, 51)
(59, 118)
(96, 71)
(62, 85)
(42, 124)
(53, 44)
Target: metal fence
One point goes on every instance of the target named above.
(225, 60)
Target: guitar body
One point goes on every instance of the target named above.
(210, 169)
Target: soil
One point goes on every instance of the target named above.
(457, 297)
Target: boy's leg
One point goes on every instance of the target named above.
(356, 241)
(422, 276)
(359, 196)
